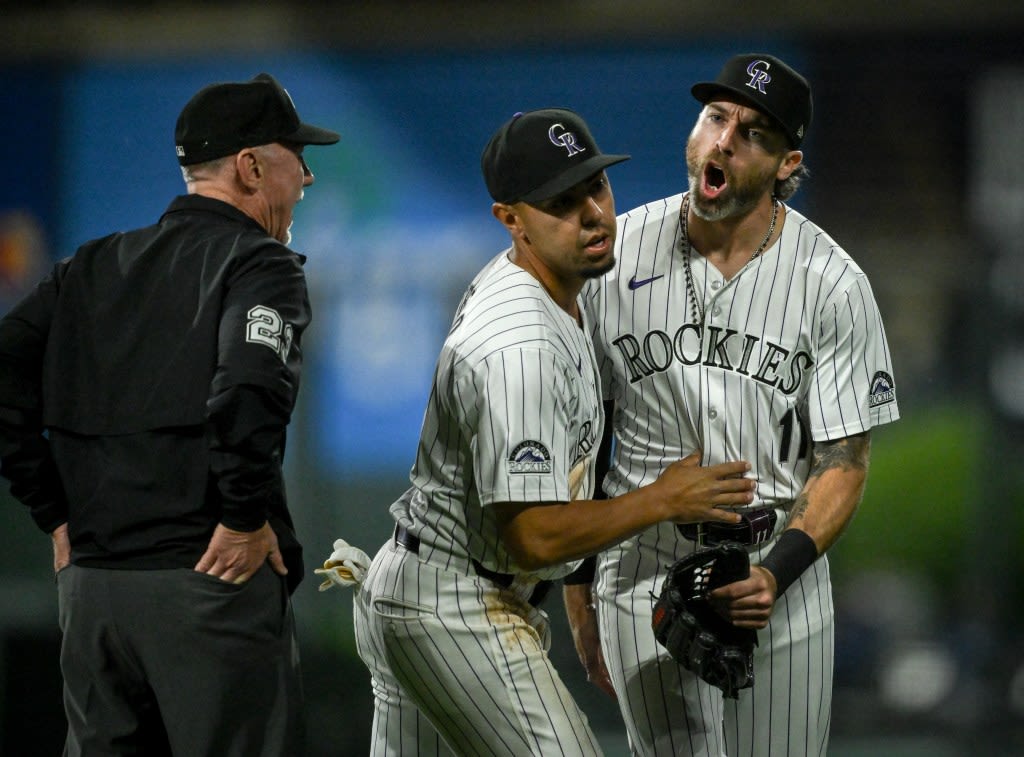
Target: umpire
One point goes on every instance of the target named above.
(145, 388)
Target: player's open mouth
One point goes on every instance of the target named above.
(713, 180)
(597, 244)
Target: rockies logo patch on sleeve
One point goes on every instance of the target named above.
(882, 389)
(529, 457)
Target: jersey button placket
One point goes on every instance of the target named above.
(713, 308)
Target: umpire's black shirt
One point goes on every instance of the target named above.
(163, 364)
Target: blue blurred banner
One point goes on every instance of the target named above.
(398, 220)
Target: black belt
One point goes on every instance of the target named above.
(756, 527)
(408, 540)
(412, 543)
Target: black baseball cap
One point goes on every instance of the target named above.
(539, 154)
(226, 117)
(767, 84)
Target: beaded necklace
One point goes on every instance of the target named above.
(697, 311)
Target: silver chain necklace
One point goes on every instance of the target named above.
(697, 311)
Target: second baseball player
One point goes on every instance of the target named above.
(448, 618)
(733, 325)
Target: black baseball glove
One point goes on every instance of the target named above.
(686, 624)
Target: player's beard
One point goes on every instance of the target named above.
(599, 269)
(741, 195)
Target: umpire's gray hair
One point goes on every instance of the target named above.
(207, 170)
(786, 188)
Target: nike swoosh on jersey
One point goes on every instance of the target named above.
(635, 284)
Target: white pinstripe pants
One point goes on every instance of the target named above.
(669, 711)
(459, 665)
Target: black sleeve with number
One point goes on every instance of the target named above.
(255, 385)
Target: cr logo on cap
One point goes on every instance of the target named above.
(564, 139)
(758, 76)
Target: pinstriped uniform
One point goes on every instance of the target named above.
(455, 658)
(794, 351)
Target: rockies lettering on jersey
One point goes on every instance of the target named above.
(655, 352)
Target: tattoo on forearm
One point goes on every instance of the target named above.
(848, 454)
(799, 507)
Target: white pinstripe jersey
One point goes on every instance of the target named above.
(515, 406)
(794, 350)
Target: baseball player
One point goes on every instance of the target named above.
(447, 618)
(733, 325)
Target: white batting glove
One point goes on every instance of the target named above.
(346, 566)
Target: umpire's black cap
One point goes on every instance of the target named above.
(223, 118)
(539, 154)
(767, 84)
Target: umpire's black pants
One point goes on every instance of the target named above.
(175, 662)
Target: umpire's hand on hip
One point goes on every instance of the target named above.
(234, 556)
(61, 548)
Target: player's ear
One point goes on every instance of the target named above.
(508, 217)
(792, 159)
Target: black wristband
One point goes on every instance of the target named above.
(794, 553)
(584, 574)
